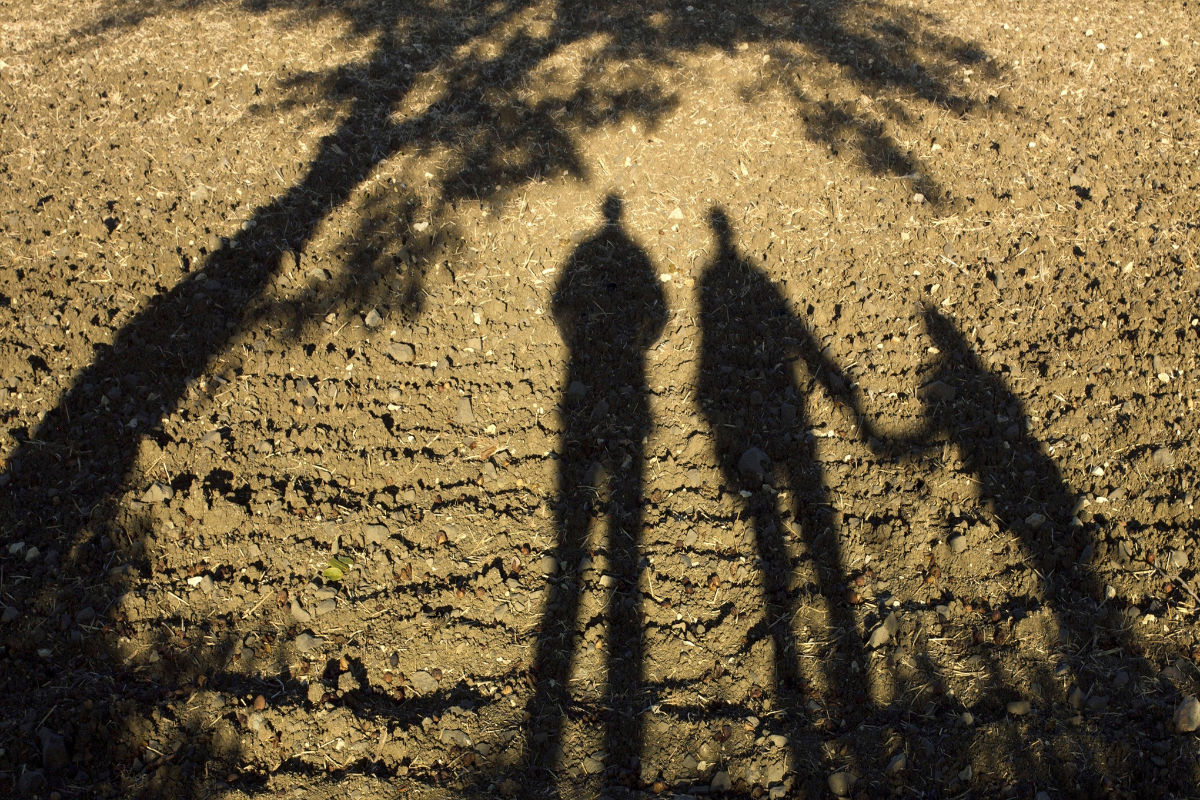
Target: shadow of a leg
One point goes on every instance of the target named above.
(756, 409)
(610, 309)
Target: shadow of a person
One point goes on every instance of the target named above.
(1021, 487)
(610, 309)
(754, 406)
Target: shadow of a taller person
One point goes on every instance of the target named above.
(610, 309)
(753, 401)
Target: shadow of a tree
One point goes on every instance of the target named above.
(476, 85)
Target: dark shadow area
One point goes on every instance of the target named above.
(972, 412)
(610, 309)
(753, 345)
(62, 484)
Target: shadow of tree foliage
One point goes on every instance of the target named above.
(63, 485)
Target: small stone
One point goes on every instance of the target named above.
(840, 783)
(402, 353)
(958, 544)
(299, 614)
(1035, 520)
(677, 213)
(423, 682)
(211, 440)
(1097, 702)
(690, 764)
(1018, 708)
(967, 718)
(260, 703)
(54, 751)
(898, 763)
(776, 771)
(937, 390)
(31, 782)
(778, 741)
(306, 641)
(884, 633)
(1042, 796)
(376, 534)
(1076, 698)
(595, 476)
(9, 614)
(465, 415)
(455, 737)
(157, 493)
(592, 765)
(1163, 458)
(720, 783)
(1178, 559)
(1187, 716)
(966, 773)
(1120, 679)
(754, 464)
(326, 606)
(548, 565)
(372, 320)
(207, 584)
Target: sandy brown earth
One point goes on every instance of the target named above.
(535, 399)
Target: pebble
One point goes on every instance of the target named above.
(1076, 697)
(884, 633)
(299, 614)
(423, 682)
(898, 763)
(548, 565)
(454, 736)
(9, 614)
(373, 320)
(260, 703)
(306, 641)
(376, 534)
(1163, 458)
(31, 782)
(754, 463)
(958, 544)
(937, 390)
(157, 493)
(54, 751)
(778, 741)
(592, 765)
(1018, 708)
(327, 606)
(1187, 715)
(840, 783)
(207, 584)
(967, 718)
(1178, 559)
(721, 782)
(402, 353)
(465, 415)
